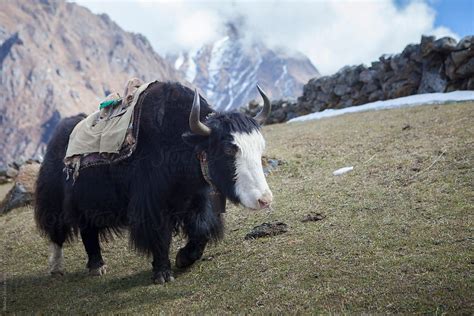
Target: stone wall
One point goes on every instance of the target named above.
(441, 65)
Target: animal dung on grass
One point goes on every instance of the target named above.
(267, 230)
(313, 217)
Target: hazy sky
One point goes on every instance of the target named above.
(331, 33)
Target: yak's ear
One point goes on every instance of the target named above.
(192, 139)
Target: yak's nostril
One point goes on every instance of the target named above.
(263, 203)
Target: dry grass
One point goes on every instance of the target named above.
(398, 236)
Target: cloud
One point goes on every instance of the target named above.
(331, 33)
(170, 26)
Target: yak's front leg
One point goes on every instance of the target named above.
(202, 225)
(190, 253)
(161, 262)
(151, 228)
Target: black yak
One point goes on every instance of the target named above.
(162, 187)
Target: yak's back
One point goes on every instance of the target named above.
(165, 112)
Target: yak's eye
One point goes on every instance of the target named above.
(231, 150)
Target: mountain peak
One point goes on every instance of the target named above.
(227, 70)
(232, 30)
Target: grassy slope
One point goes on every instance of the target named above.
(397, 236)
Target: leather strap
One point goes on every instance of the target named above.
(218, 200)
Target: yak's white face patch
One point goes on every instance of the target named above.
(251, 185)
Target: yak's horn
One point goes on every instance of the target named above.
(267, 107)
(195, 124)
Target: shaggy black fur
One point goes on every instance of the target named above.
(157, 191)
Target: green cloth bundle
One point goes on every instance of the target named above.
(108, 103)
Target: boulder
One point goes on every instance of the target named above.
(351, 76)
(401, 89)
(450, 68)
(367, 75)
(466, 69)
(445, 45)
(427, 45)
(369, 88)
(20, 161)
(23, 190)
(413, 53)
(466, 42)
(470, 84)
(461, 56)
(433, 80)
(458, 64)
(11, 172)
(376, 96)
(291, 115)
(323, 97)
(327, 85)
(341, 90)
(346, 103)
(278, 115)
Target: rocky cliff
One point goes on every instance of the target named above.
(227, 70)
(58, 59)
(441, 65)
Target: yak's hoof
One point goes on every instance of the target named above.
(102, 270)
(183, 259)
(161, 277)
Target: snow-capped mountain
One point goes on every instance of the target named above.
(227, 70)
(53, 64)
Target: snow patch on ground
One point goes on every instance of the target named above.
(341, 171)
(413, 100)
